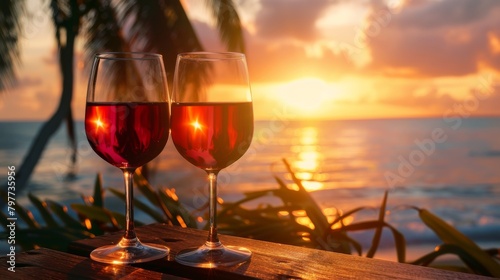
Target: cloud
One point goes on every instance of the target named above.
(448, 13)
(52, 57)
(286, 44)
(208, 36)
(432, 39)
(278, 60)
(431, 99)
(420, 39)
(423, 43)
(480, 98)
(285, 62)
(289, 19)
(27, 81)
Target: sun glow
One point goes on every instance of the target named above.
(307, 97)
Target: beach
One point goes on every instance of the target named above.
(447, 167)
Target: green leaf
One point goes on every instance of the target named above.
(378, 230)
(140, 205)
(303, 197)
(26, 215)
(249, 196)
(23, 214)
(117, 220)
(476, 266)
(62, 213)
(399, 239)
(353, 242)
(450, 235)
(345, 215)
(97, 213)
(341, 241)
(176, 210)
(43, 209)
(400, 243)
(145, 188)
(292, 174)
(171, 207)
(98, 191)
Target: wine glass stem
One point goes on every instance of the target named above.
(128, 174)
(212, 240)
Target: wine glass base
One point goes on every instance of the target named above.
(208, 257)
(137, 253)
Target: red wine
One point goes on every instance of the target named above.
(212, 135)
(127, 135)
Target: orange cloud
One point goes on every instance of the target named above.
(289, 19)
(432, 39)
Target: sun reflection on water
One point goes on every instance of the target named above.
(332, 163)
(307, 165)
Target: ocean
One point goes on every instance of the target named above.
(449, 166)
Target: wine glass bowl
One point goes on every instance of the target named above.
(211, 127)
(212, 135)
(127, 125)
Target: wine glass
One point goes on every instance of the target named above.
(211, 127)
(127, 125)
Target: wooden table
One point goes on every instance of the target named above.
(269, 261)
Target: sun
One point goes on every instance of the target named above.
(307, 97)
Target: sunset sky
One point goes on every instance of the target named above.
(334, 59)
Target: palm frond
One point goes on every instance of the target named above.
(10, 32)
(450, 235)
(102, 30)
(378, 230)
(228, 24)
(473, 264)
(159, 26)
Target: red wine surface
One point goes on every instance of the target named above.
(212, 135)
(127, 135)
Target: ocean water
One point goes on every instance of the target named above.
(449, 166)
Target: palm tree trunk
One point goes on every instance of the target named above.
(70, 127)
(66, 52)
